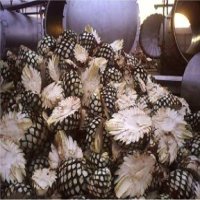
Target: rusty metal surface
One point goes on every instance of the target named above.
(190, 88)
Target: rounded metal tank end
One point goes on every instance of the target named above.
(17, 29)
(113, 19)
(190, 89)
(150, 35)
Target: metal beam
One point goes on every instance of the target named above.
(163, 5)
(34, 13)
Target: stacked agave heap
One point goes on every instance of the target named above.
(80, 118)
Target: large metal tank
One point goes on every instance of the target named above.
(174, 60)
(190, 89)
(17, 29)
(113, 19)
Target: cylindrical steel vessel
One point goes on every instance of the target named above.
(17, 29)
(113, 20)
(174, 60)
(190, 89)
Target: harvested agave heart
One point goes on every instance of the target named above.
(65, 35)
(155, 91)
(181, 184)
(71, 84)
(33, 141)
(14, 70)
(6, 74)
(37, 162)
(129, 127)
(65, 48)
(168, 101)
(95, 105)
(108, 51)
(131, 61)
(88, 41)
(9, 102)
(66, 116)
(95, 126)
(108, 97)
(112, 73)
(45, 45)
(19, 191)
(194, 145)
(105, 51)
(72, 174)
(28, 57)
(140, 79)
(100, 183)
(90, 78)
(192, 163)
(98, 160)
(30, 98)
(194, 120)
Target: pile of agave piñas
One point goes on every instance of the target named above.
(80, 118)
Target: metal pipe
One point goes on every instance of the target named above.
(34, 13)
(162, 5)
(26, 5)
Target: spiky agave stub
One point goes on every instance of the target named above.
(53, 68)
(64, 109)
(171, 131)
(53, 157)
(89, 29)
(126, 100)
(51, 95)
(12, 165)
(129, 125)
(134, 175)
(14, 125)
(31, 79)
(43, 179)
(80, 53)
(169, 121)
(90, 78)
(67, 147)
